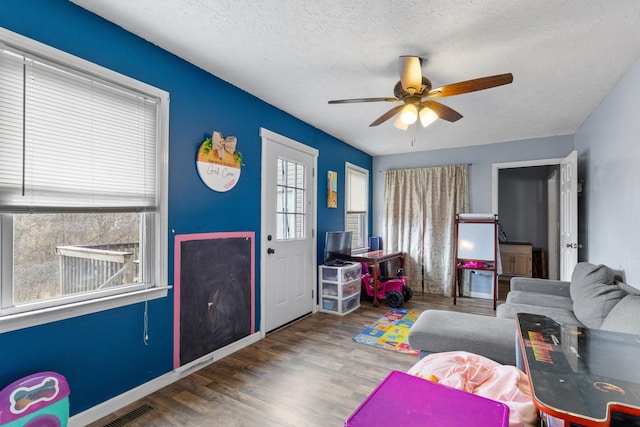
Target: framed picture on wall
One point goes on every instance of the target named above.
(332, 189)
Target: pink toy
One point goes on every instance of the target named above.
(474, 264)
(394, 290)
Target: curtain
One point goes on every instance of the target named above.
(419, 220)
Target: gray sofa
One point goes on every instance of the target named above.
(594, 299)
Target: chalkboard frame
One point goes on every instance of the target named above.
(178, 258)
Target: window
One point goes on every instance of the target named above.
(82, 183)
(357, 206)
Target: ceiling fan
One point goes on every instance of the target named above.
(414, 91)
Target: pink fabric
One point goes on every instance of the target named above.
(484, 377)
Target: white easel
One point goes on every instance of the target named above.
(476, 247)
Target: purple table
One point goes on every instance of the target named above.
(406, 400)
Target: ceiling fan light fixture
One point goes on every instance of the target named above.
(399, 124)
(427, 116)
(409, 114)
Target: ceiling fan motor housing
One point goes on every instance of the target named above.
(400, 93)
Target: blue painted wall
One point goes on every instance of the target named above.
(102, 355)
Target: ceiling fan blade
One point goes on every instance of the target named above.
(349, 101)
(410, 74)
(444, 112)
(471, 85)
(386, 116)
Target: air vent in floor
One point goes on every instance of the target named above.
(129, 416)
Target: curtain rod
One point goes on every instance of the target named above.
(426, 167)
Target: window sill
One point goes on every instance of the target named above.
(14, 322)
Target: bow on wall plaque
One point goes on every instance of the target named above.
(219, 162)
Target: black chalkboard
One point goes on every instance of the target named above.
(215, 294)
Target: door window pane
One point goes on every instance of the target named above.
(291, 200)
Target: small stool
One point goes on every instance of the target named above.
(40, 400)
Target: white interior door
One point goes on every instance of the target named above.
(288, 256)
(568, 215)
(553, 228)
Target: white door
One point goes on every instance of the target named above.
(288, 257)
(553, 228)
(568, 215)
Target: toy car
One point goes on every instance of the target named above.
(394, 290)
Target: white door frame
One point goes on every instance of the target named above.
(267, 134)
(495, 174)
(510, 165)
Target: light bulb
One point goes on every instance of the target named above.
(427, 116)
(409, 114)
(399, 124)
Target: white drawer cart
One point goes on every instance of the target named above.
(339, 288)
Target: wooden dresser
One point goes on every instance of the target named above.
(516, 259)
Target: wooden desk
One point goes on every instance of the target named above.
(374, 259)
(581, 375)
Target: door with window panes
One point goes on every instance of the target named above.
(288, 255)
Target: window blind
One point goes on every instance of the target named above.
(69, 141)
(356, 200)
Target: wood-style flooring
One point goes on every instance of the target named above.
(310, 373)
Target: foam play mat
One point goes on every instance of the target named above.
(390, 331)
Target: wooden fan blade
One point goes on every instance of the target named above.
(471, 85)
(444, 112)
(349, 101)
(386, 116)
(410, 74)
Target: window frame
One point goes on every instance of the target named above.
(153, 232)
(365, 215)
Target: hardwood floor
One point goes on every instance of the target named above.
(310, 373)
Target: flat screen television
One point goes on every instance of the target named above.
(337, 247)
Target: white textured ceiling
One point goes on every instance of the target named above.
(298, 54)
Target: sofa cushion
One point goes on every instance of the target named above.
(509, 311)
(537, 298)
(594, 293)
(624, 316)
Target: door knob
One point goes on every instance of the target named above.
(271, 251)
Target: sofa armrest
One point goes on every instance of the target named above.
(544, 286)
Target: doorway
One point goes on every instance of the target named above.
(528, 211)
(534, 184)
(288, 242)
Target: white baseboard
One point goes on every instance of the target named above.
(105, 408)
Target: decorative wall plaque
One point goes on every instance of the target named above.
(219, 162)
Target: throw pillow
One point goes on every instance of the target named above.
(624, 316)
(628, 288)
(585, 273)
(594, 293)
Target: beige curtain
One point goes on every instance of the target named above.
(419, 219)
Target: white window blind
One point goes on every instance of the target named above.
(72, 141)
(356, 194)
